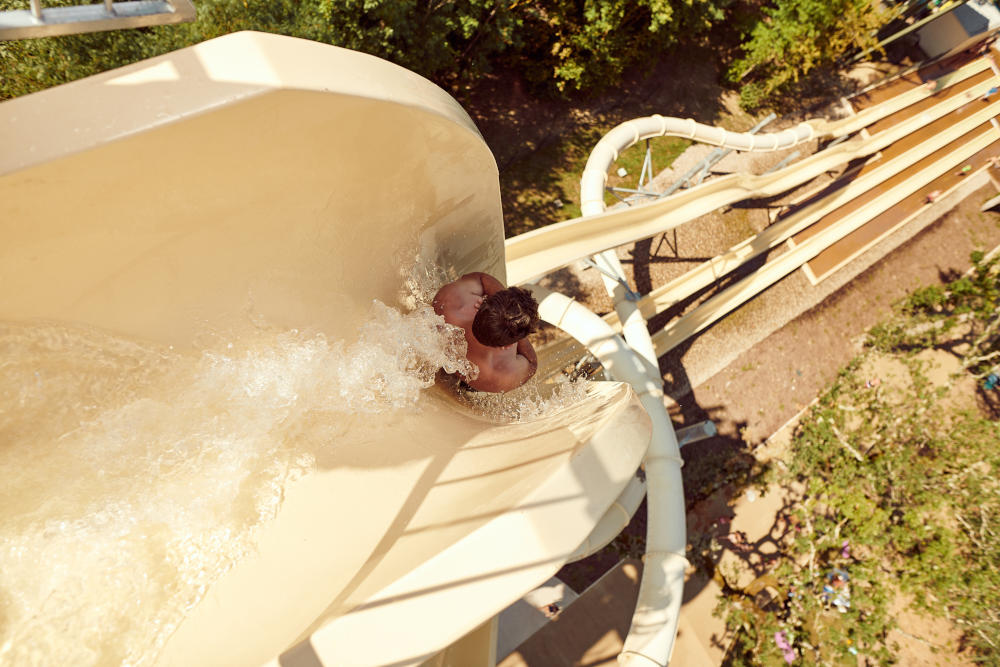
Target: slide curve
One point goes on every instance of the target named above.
(265, 183)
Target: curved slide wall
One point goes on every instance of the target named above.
(293, 180)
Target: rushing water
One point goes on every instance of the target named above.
(134, 475)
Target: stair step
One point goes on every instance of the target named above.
(530, 614)
(591, 631)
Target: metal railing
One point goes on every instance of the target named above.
(42, 21)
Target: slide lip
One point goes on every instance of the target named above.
(95, 110)
(522, 547)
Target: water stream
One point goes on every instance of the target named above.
(136, 474)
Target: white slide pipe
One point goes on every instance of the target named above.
(654, 622)
(614, 520)
(595, 174)
(621, 363)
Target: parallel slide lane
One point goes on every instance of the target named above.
(877, 174)
(532, 255)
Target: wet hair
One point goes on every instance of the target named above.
(505, 317)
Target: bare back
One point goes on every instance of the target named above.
(500, 368)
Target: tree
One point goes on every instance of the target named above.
(794, 37)
(29, 65)
(439, 39)
(576, 45)
(561, 45)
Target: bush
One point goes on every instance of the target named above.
(899, 491)
(561, 45)
(794, 37)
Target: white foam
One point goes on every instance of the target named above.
(135, 475)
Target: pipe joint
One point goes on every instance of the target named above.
(665, 555)
(692, 128)
(666, 457)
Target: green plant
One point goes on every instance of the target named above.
(788, 40)
(899, 492)
(575, 45)
(561, 45)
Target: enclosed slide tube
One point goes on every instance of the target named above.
(595, 174)
(654, 621)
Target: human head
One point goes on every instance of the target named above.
(505, 317)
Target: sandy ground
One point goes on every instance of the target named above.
(756, 370)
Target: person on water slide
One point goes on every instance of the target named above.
(497, 322)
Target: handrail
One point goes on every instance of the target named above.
(42, 21)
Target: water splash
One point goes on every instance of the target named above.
(135, 475)
(527, 403)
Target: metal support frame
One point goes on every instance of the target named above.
(701, 169)
(784, 162)
(42, 21)
(696, 433)
(645, 177)
(630, 294)
(663, 239)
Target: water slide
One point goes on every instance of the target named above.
(215, 272)
(533, 254)
(148, 231)
(898, 121)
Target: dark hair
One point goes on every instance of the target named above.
(505, 317)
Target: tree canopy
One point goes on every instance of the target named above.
(561, 45)
(791, 38)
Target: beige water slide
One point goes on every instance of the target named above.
(536, 253)
(157, 201)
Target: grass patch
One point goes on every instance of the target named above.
(544, 188)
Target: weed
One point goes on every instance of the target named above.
(901, 496)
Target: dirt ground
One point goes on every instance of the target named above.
(761, 366)
(768, 383)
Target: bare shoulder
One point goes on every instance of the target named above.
(514, 372)
(452, 295)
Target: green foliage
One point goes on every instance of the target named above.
(573, 45)
(561, 45)
(794, 37)
(29, 65)
(553, 172)
(441, 40)
(970, 303)
(437, 38)
(907, 481)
